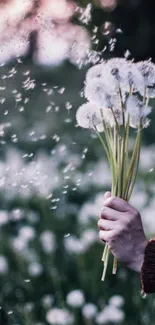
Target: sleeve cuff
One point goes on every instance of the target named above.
(148, 268)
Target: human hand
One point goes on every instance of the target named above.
(121, 228)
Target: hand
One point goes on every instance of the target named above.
(121, 228)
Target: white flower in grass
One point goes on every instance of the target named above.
(89, 116)
(35, 269)
(74, 245)
(89, 311)
(57, 316)
(147, 69)
(4, 217)
(89, 237)
(110, 314)
(116, 301)
(75, 298)
(47, 239)
(27, 233)
(3, 265)
(137, 111)
(47, 301)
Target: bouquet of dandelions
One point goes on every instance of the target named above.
(118, 93)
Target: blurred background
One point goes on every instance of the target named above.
(53, 174)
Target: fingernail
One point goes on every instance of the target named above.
(107, 194)
(107, 201)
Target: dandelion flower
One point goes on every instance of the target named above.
(89, 116)
(89, 311)
(137, 111)
(75, 298)
(125, 76)
(59, 316)
(147, 69)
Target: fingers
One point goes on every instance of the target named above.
(106, 235)
(106, 224)
(117, 203)
(106, 196)
(110, 214)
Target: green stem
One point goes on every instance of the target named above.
(136, 168)
(105, 265)
(132, 162)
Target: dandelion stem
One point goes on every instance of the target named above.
(105, 265)
(114, 270)
(136, 168)
(104, 252)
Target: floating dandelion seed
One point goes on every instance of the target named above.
(67, 235)
(10, 312)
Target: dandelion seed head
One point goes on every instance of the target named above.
(147, 70)
(75, 298)
(88, 116)
(89, 311)
(137, 111)
(59, 317)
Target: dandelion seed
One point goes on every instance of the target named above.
(67, 235)
(119, 31)
(21, 109)
(85, 17)
(48, 109)
(54, 207)
(10, 312)
(68, 106)
(68, 120)
(61, 90)
(127, 54)
(26, 73)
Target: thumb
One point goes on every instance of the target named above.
(106, 196)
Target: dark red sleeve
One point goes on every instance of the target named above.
(148, 268)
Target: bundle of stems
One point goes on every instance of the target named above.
(123, 164)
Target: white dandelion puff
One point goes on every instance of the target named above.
(113, 115)
(125, 76)
(147, 69)
(89, 311)
(75, 298)
(89, 116)
(137, 111)
(59, 316)
(95, 72)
